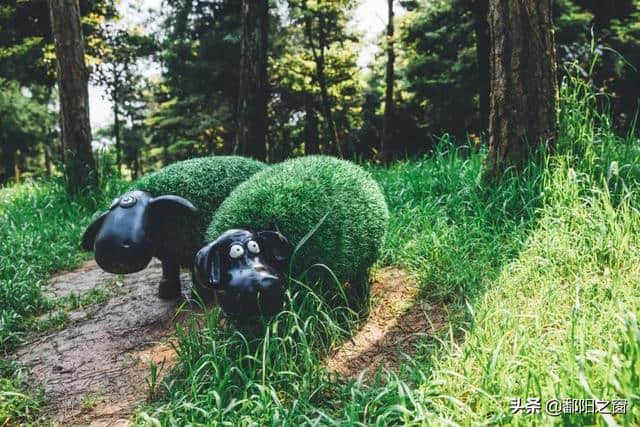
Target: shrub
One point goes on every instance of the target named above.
(338, 197)
(205, 182)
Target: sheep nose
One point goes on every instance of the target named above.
(267, 283)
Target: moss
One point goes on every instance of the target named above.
(294, 196)
(205, 182)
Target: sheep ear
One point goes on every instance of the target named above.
(164, 203)
(207, 266)
(89, 236)
(277, 246)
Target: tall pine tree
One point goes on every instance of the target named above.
(524, 88)
(72, 78)
(252, 95)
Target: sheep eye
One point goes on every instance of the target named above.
(253, 247)
(127, 201)
(236, 251)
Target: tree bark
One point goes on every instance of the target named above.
(524, 90)
(17, 173)
(116, 128)
(252, 97)
(481, 24)
(72, 78)
(136, 164)
(605, 11)
(47, 159)
(311, 140)
(387, 126)
(319, 59)
(9, 163)
(165, 153)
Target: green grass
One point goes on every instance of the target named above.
(539, 272)
(17, 403)
(39, 234)
(206, 182)
(560, 320)
(335, 197)
(447, 227)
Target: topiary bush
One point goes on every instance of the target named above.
(205, 182)
(294, 197)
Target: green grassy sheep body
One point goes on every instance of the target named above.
(294, 196)
(205, 182)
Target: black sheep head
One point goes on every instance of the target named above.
(248, 270)
(123, 239)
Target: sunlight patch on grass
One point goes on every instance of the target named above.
(561, 320)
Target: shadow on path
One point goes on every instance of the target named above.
(95, 371)
(395, 323)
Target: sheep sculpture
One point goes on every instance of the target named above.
(165, 214)
(333, 205)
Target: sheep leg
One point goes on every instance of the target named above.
(358, 295)
(170, 283)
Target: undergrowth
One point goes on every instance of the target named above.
(40, 234)
(539, 273)
(40, 229)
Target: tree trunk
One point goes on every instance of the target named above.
(16, 167)
(116, 129)
(252, 97)
(481, 24)
(311, 140)
(165, 152)
(72, 77)
(324, 91)
(47, 159)
(9, 163)
(387, 124)
(524, 91)
(136, 164)
(319, 59)
(605, 11)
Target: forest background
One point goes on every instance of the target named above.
(318, 99)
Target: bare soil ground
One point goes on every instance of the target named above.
(95, 371)
(396, 321)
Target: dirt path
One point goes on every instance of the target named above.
(95, 370)
(396, 321)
